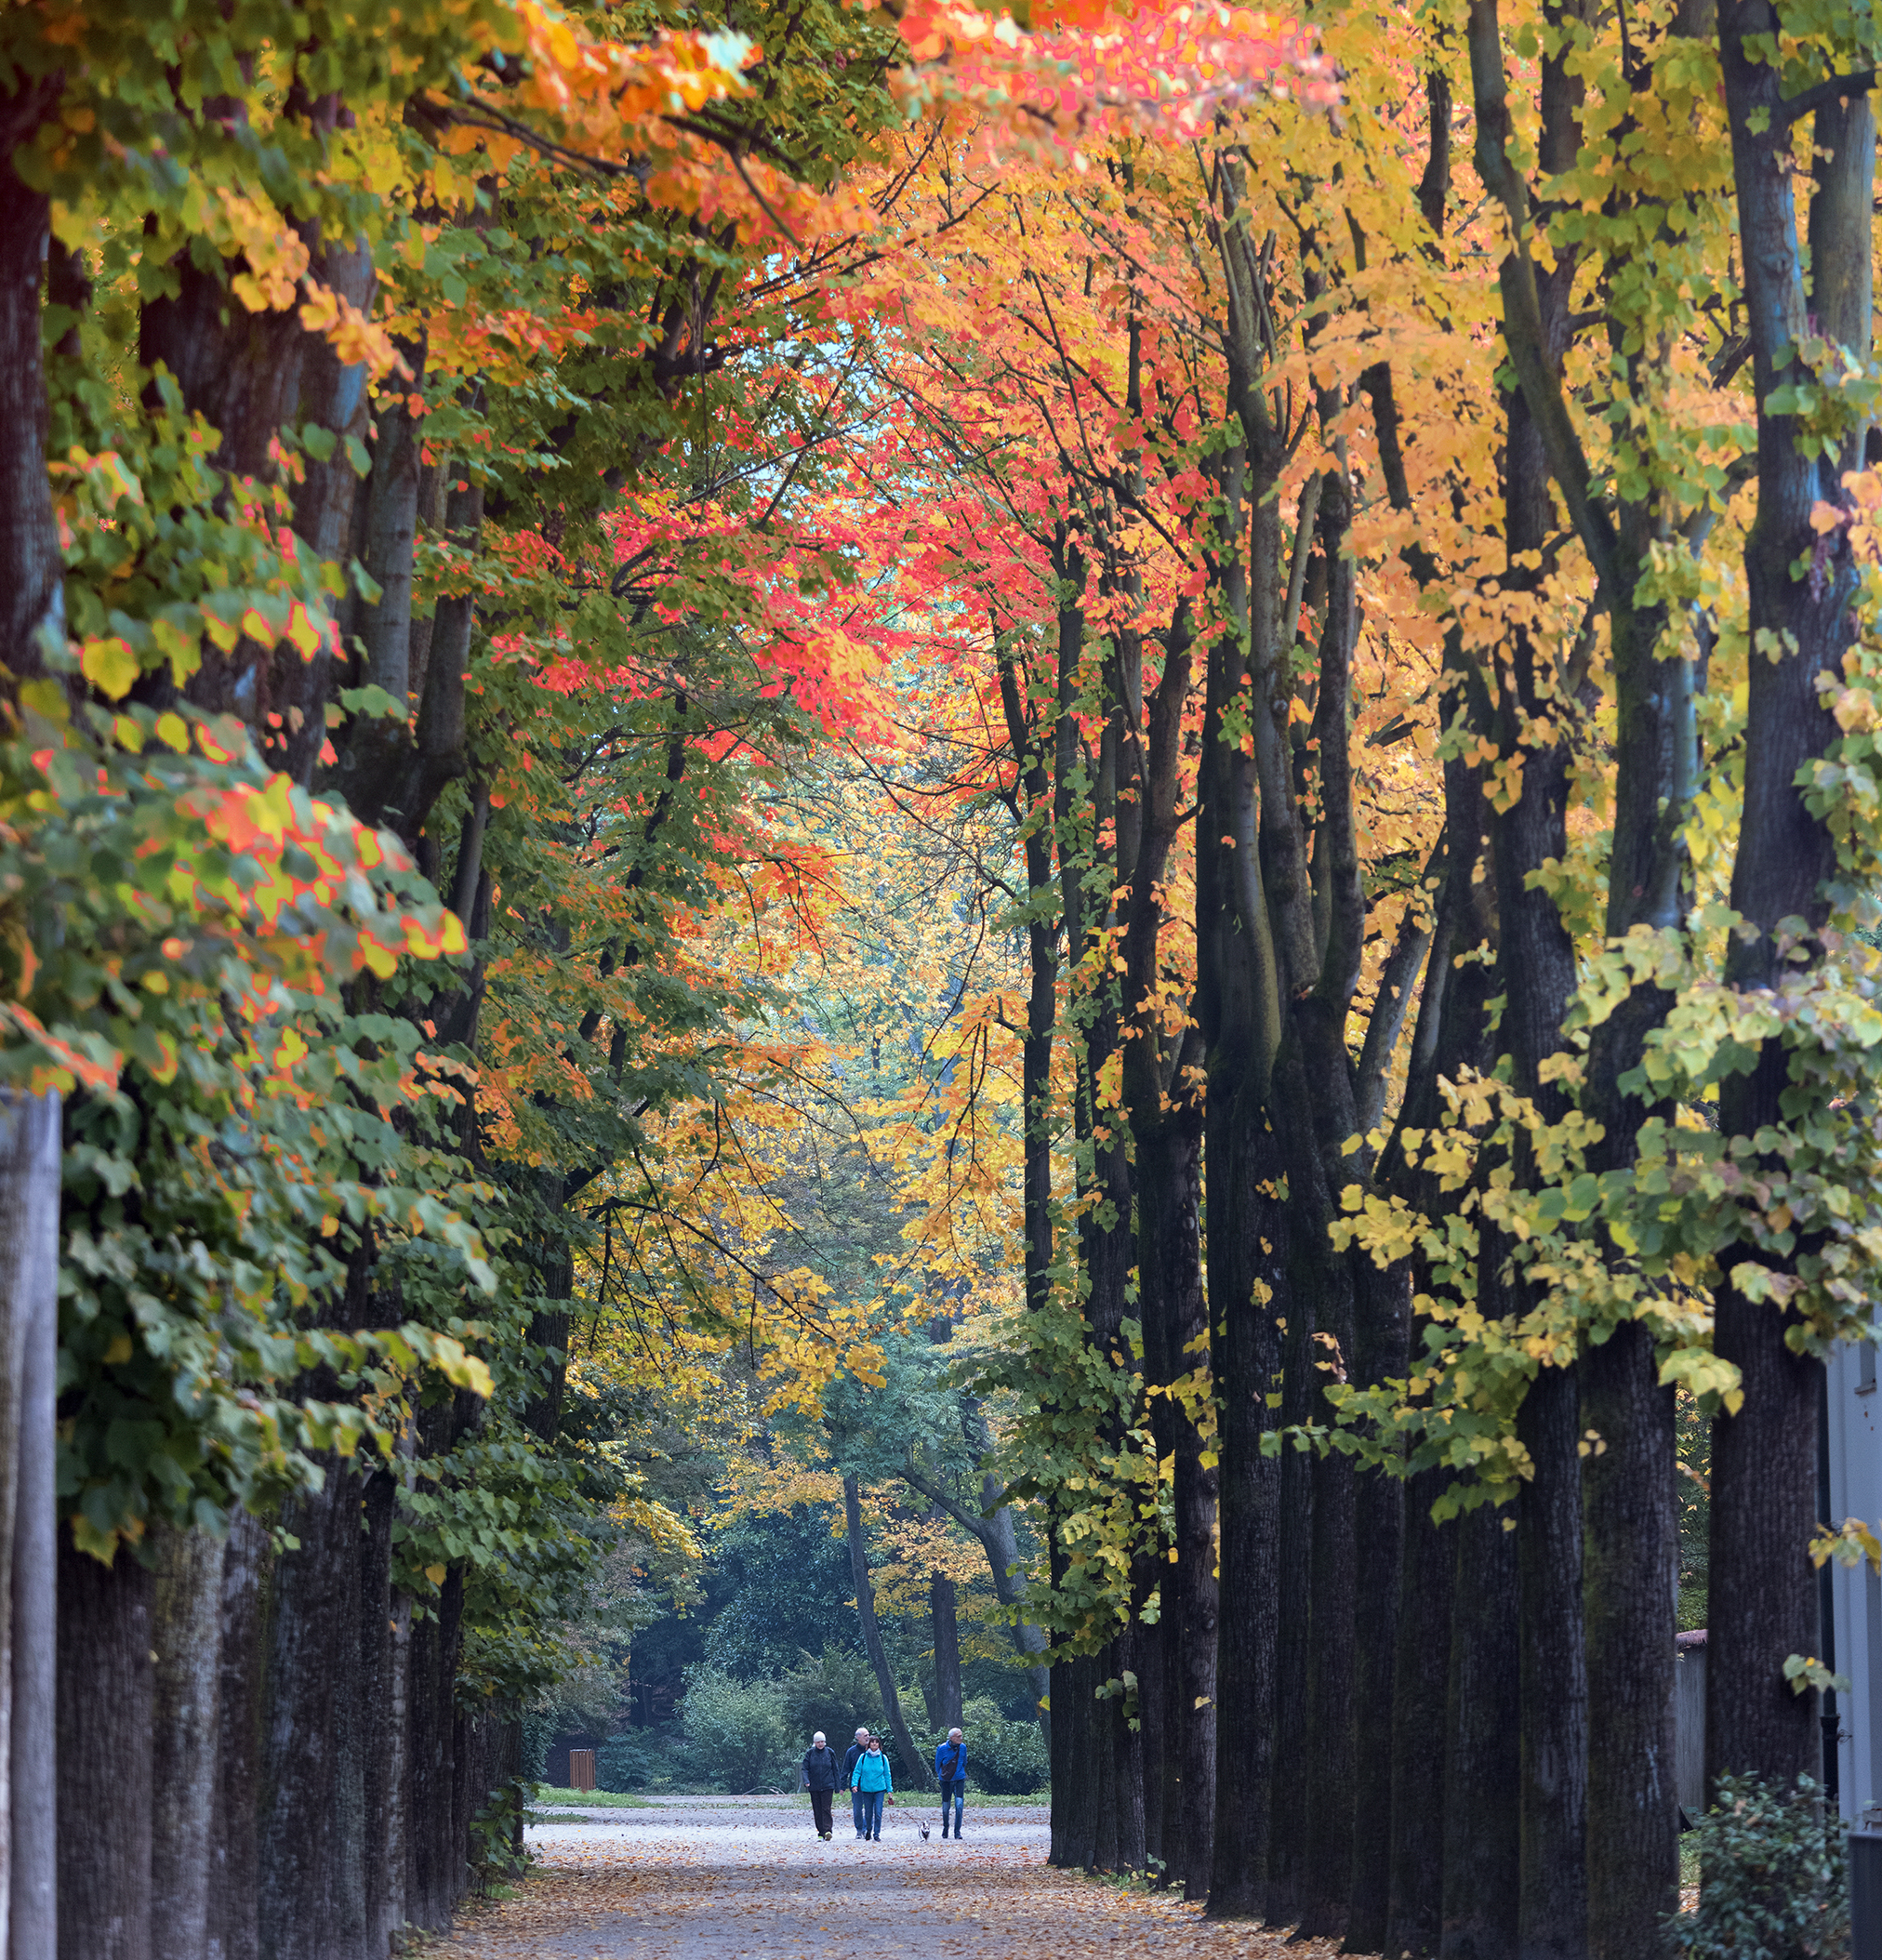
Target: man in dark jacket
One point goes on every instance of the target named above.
(859, 1747)
(820, 1772)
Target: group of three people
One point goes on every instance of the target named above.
(864, 1773)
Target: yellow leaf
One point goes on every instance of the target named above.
(110, 666)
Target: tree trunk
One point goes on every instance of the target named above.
(234, 1855)
(1124, 1765)
(1483, 1763)
(1247, 1633)
(1078, 1719)
(1153, 1674)
(31, 571)
(29, 1277)
(947, 1650)
(1554, 1666)
(1764, 1591)
(1104, 1789)
(1294, 1768)
(104, 1757)
(1379, 1532)
(920, 1774)
(1169, 1198)
(436, 1862)
(186, 1638)
(385, 1626)
(29, 1140)
(307, 1834)
(1420, 1692)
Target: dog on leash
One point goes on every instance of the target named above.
(924, 1834)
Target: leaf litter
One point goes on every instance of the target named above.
(721, 1883)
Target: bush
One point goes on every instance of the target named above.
(1003, 1758)
(836, 1692)
(1772, 1884)
(736, 1735)
(626, 1762)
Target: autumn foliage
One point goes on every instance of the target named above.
(1107, 773)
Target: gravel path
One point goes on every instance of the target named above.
(740, 1878)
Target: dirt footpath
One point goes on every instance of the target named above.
(709, 1878)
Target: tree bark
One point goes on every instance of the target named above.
(1632, 1577)
(186, 1637)
(29, 1140)
(1292, 1766)
(1482, 1766)
(1248, 1365)
(385, 1627)
(32, 570)
(1555, 1663)
(1414, 1916)
(436, 1859)
(233, 1927)
(1381, 1355)
(105, 1685)
(947, 1649)
(1763, 1458)
(307, 1834)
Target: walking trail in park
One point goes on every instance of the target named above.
(742, 1878)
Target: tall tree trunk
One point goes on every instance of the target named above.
(28, 1278)
(947, 1649)
(920, 1774)
(1074, 1760)
(1482, 1766)
(1763, 1458)
(1104, 1714)
(1381, 1354)
(233, 1927)
(436, 1859)
(32, 570)
(1294, 1768)
(1248, 1365)
(1414, 1916)
(1554, 1906)
(1633, 1573)
(186, 1641)
(308, 1831)
(104, 1757)
(1124, 1763)
(385, 1627)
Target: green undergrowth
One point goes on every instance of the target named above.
(589, 1799)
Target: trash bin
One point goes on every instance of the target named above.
(581, 1770)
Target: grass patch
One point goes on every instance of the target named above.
(589, 1799)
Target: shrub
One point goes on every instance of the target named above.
(1004, 1759)
(734, 1731)
(834, 1691)
(1772, 1884)
(625, 1762)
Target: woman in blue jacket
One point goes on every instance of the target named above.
(870, 1779)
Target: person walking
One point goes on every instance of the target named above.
(821, 1769)
(859, 1747)
(871, 1781)
(950, 1772)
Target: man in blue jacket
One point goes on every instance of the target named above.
(859, 1747)
(950, 1772)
